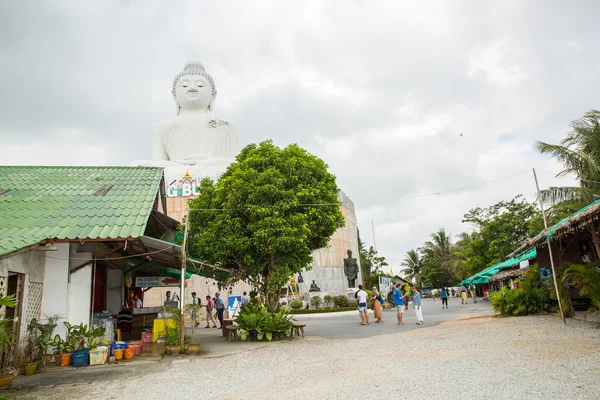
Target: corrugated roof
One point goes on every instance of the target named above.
(482, 276)
(38, 203)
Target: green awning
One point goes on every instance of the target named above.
(482, 276)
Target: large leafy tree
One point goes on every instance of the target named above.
(265, 215)
(579, 153)
(499, 230)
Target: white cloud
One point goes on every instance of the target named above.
(382, 91)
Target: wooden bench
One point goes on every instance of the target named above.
(297, 328)
(232, 330)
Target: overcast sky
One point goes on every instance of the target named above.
(401, 99)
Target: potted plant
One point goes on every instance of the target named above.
(7, 373)
(63, 349)
(192, 310)
(31, 351)
(172, 332)
(44, 340)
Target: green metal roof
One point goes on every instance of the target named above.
(38, 203)
(481, 277)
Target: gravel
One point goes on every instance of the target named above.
(498, 358)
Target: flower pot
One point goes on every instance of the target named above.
(47, 359)
(173, 349)
(192, 349)
(5, 380)
(64, 360)
(128, 352)
(30, 368)
(118, 354)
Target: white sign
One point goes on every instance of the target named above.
(384, 284)
(155, 281)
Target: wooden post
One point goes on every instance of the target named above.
(182, 282)
(596, 239)
(562, 314)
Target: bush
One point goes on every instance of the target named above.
(328, 300)
(532, 298)
(296, 304)
(341, 301)
(316, 301)
(258, 322)
(323, 310)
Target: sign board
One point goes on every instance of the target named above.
(155, 281)
(234, 303)
(385, 283)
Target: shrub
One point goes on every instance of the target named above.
(328, 300)
(259, 322)
(316, 301)
(296, 304)
(532, 298)
(341, 301)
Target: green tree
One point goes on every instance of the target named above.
(412, 264)
(265, 215)
(500, 229)
(376, 263)
(438, 259)
(579, 153)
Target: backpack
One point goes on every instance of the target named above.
(381, 300)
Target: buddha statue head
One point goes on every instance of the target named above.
(194, 88)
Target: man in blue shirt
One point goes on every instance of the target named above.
(220, 305)
(399, 303)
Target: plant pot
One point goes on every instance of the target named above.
(192, 349)
(5, 380)
(47, 359)
(173, 350)
(30, 368)
(64, 360)
(128, 353)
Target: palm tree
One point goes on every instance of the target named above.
(579, 153)
(438, 258)
(412, 264)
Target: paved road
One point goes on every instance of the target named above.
(347, 326)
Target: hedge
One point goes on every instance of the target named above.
(323, 310)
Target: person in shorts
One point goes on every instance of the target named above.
(399, 303)
(210, 312)
(361, 296)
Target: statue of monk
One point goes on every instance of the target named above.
(351, 269)
(194, 139)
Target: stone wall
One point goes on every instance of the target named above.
(328, 263)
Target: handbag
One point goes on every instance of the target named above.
(381, 300)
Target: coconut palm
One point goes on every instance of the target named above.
(579, 153)
(588, 277)
(412, 264)
(438, 259)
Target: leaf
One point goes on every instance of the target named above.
(269, 336)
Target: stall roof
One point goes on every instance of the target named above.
(162, 254)
(574, 221)
(509, 274)
(483, 276)
(74, 203)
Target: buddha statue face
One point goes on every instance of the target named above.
(194, 92)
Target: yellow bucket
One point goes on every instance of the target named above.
(118, 354)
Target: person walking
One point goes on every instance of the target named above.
(453, 293)
(473, 291)
(417, 305)
(210, 312)
(399, 304)
(444, 294)
(220, 305)
(245, 299)
(198, 303)
(361, 296)
(463, 294)
(377, 301)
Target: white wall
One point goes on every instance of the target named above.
(56, 279)
(114, 282)
(80, 287)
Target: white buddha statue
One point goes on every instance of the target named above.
(194, 140)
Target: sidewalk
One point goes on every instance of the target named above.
(212, 345)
